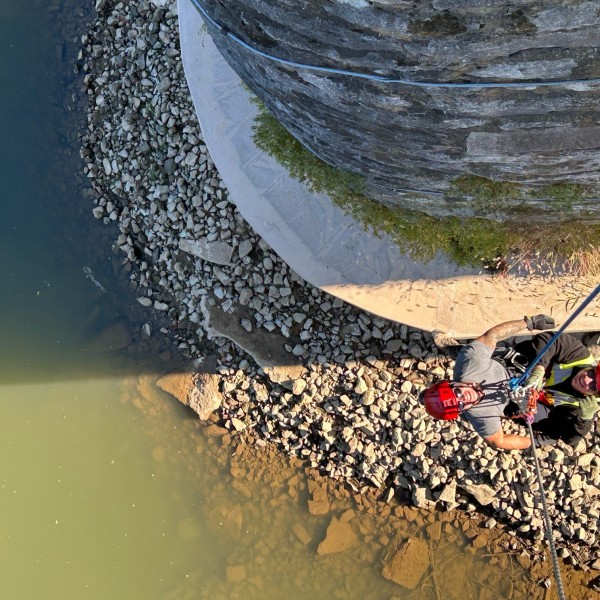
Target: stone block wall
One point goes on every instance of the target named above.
(410, 142)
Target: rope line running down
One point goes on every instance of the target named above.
(547, 522)
(380, 78)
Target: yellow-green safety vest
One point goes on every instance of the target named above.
(561, 372)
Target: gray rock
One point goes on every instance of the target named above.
(483, 493)
(219, 253)
(422, 498)
(448, 494)
(244, 248)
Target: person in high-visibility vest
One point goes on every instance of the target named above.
(567, 374)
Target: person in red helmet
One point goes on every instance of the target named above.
(567, 373)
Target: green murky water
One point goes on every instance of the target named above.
(85, 509)
(109, 489)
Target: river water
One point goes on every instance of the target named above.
(109, 488)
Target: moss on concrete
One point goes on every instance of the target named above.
(467, 241)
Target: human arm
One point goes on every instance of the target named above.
(507, 441)
(499, 332)
(565, 349)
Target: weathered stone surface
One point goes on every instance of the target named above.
(268, 350)
(495, 132)
(434, 531)
(199, 391)
(448, 494)
(422, 498)
(405, 562)
(483, 493)
(216, 252)
(339, 537)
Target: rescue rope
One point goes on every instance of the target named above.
(424, 84)
(547, 522)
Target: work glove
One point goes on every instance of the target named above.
(588, 407)
(539, 322)
(535, 379)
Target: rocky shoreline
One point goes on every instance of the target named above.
(332, 385)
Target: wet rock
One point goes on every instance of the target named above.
(318, 507)
(227, 517)
(112, 338)
(434, 531)
(199, 391)
(236, 573)
(338, 538)
(215, 431)
(301, 533)
(405, 562)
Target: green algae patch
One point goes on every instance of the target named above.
(467, 241)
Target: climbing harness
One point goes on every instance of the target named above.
(527, 399)
(528, 413)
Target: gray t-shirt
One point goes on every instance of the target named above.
(475, 364)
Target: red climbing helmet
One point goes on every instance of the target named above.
(442, 401)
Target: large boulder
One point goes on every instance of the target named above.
(339, 537)
(113, 337)
(406, 561)
(199, 391)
